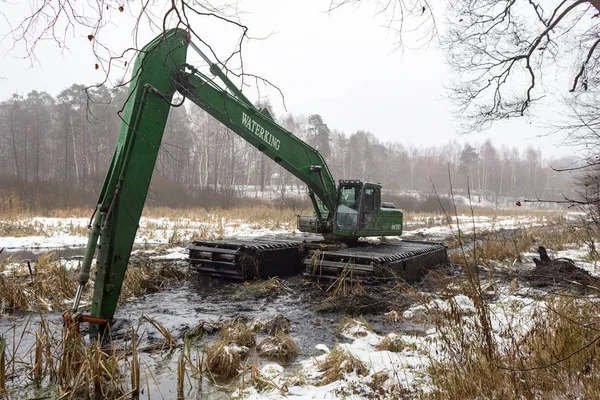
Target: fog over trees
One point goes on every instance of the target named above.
(66, 142)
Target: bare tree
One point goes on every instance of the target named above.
(501, 51)
(61, 22)
(413, 21)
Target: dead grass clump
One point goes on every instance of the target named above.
(378, 379)
(338, 363)
(83, 367)
(203, 327)
(222, 360)
(170, 341)
(281, 347)
(392, 316)
(348, 296)
(279, 324)
(239, 334)
(263, 288)
(392, 342)
(19, 229)
(50, 284)
(256, 325)
(273, 285)
(556, 358)
(146, 278)
(354, 327)
(46, 289)
(497, 247)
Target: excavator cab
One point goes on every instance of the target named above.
(358, 212)
(358, 209)
(348, 205)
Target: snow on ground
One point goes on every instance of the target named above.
(54, 241)
(72, 232)
(21, 268)
(581, 257)
(387, 370)
(467, 223)
(173, 253)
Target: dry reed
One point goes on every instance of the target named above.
(238, 333)
(280, 347)
(392, 342)
(338, 363)
(223, 361)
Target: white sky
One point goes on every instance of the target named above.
(341, 65)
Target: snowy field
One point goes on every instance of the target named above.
(394, 358)
(72, 232)
(56, 233)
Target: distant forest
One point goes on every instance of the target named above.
(57, 150)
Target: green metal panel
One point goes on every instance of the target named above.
(126, 186)
(262, 132)
(388, 222)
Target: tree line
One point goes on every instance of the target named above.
(68, 140)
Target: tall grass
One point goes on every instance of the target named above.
(51, 285)
(557, 357)
(69, 366)
(2, 364)
(551, 352)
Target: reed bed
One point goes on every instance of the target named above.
(64, 364)
(48, 285)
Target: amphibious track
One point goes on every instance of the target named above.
(267, 257)
(405, 259)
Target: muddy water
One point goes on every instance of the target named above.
(199, 299)
(65, 253)
(31, 254)
(182, 308)
(205, 299)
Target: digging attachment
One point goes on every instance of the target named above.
(246, 259)
(408, 260)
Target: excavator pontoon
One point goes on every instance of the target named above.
(342, 214)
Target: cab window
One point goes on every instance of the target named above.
(371, 203)
(347, 211)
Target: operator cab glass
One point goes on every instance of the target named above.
(348, 206)
(358, 205)
(370, 203)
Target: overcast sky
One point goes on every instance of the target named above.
(341, 65)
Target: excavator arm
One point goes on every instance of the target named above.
(159, 71)
(259, 129)
(119, 207)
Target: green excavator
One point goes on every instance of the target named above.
(342, 214)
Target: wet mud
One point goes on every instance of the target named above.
(312, 313)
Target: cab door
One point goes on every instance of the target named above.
(370, 203)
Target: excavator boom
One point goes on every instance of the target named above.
(259, 129)
(161, 70)
(124, 191)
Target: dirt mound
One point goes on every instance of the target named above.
(549, 271)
